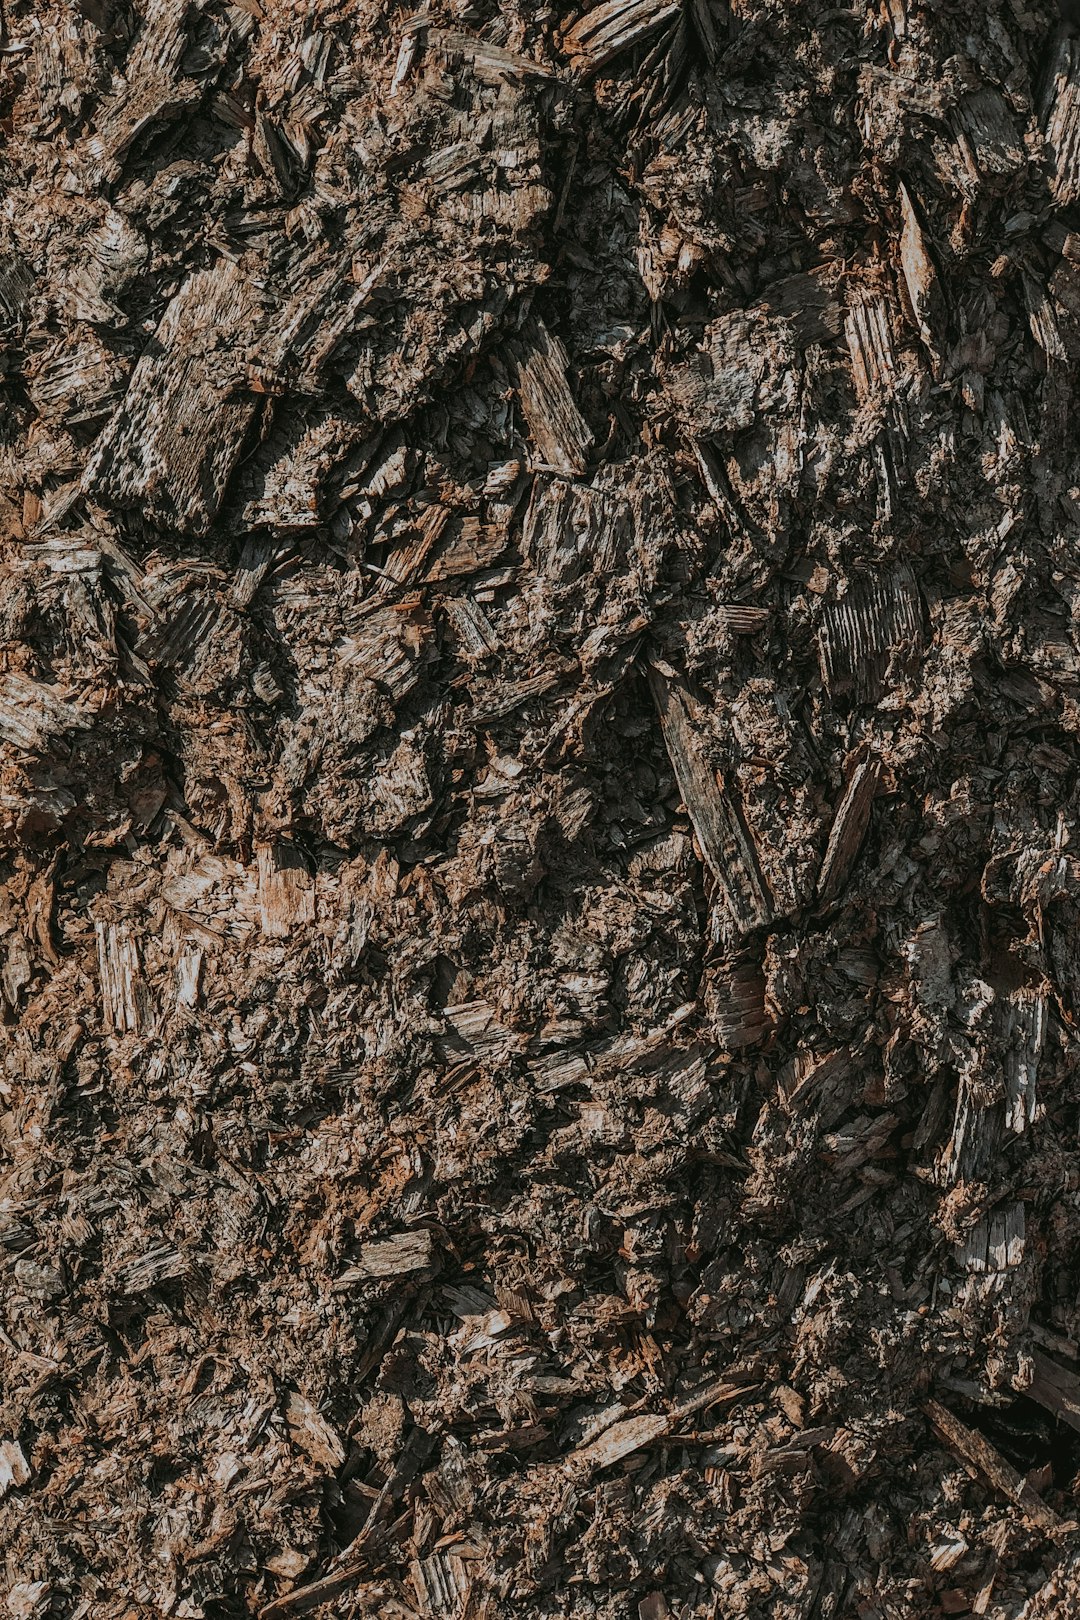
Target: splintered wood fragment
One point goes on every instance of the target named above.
(406, 561)
(975, 1138)
(188, 975)
(1042, 319)
(995, 1245)
(977, 1451)
(734, 995)
(152, 84)
(869, 341)
(475, 548)
(488, 61)
(354, 1559)
(32, 714)
(14, 1468)
(1060, 111)
(727, 844)
(118, 968)
(917, 269)
(1055, 1388)
(373, 1598)
(570, 529)
(312, 1432)
(287, 491)
(406, 1255)
(1024, 1035)
(16, 285)
(286, 891)
(442, 1581)
(258, 557)
(619, 1441)
(178, 433)
(79, 383)
(607, 30)
(556, 426)
(157, 1265)
(182, 638)
(478, 1023)
(740, 620)
(849, 827)
(405, 58)
(859, 634)
(995, 139)
(475, 634)
(632, 1433)
(1056, 1598)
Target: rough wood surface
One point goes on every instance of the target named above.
(539, 804)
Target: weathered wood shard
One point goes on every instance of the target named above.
(570, 529)
(605, 31)
(33, 715)
(869, 340)
(177, 436)
(407, 1254)
(858, 636)
(917, 268)
(1055, 1388)
(727, 844)
(1024, 1036)
(1061, 117)
(849, 826)
(487, 59)
(118, 966)
(975, 1450)
(734, 996)
(994, 1247)
(557, 428)
(14, 1469)
(150, 86)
